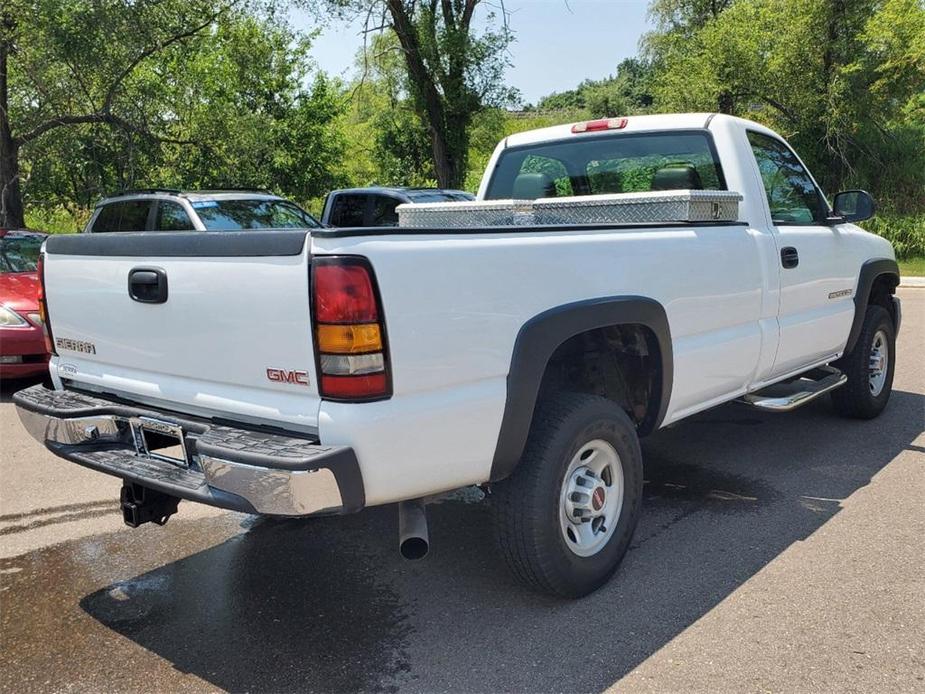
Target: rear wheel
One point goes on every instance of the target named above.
(869, 368)
(565, 518)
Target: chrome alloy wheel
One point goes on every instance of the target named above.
(879, 363)
(591, 498)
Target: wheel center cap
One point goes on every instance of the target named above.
(597, 499)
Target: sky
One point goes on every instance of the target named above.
(558, 43)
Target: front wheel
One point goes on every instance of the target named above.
(565, 518)
(869, 367)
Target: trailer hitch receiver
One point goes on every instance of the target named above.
(142, 505)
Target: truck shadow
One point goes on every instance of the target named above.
(328, 604)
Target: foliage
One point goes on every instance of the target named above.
(210, 93)
(234, 101)
(451, 71)
(626, 93)
(54, 74)
(57, 219)
(905, 232)
(842, 79)
(387, 140)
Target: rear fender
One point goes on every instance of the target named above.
(539, 338)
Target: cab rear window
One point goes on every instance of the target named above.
(624, 163)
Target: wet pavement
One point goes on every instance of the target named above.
(776, 553)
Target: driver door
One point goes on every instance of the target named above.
(816, 279)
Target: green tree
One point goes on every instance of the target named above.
(842, 78)
(67, 64)
(248, 95)
(236, 102)
(626, 93)
(453, 69)
(388, 143)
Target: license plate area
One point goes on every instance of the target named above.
(160, 440)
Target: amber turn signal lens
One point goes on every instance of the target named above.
(349, 339)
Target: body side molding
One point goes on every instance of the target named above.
(870, 271)
(539, 338)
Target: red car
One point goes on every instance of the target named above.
(22, 338)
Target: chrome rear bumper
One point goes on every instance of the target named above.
(235, 468)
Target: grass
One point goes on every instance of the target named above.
(912, 267)
(905, 232)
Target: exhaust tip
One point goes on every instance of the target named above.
(414, 548)
(413, 540)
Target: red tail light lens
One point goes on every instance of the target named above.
(43, 306)
(344, 294)
(350, 342)
(351, 387)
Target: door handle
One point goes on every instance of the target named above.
(789, 257)
(148, 285)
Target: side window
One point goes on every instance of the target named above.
(792, 196)
(108, 218)
(348, 211)
(131, 215)
(172, 217)
(384, 214)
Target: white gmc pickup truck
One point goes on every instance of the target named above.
(313, 372)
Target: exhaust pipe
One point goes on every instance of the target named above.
(413, 542)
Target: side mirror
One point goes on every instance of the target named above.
(853, 206)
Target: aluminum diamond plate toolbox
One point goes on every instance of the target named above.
(656, 207)
(456, 215)
(640, 208)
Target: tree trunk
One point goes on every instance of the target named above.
(11, 211)
(429, 103)
(442, 164)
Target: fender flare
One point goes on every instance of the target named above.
(870, 271)
(539, 338)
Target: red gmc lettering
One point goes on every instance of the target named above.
(286, 376)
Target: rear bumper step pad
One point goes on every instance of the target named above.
(229, 467)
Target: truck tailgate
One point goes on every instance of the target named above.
(232, 336)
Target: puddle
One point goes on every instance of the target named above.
(283, 606)
(712, 490)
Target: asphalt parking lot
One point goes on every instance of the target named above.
(775, 553)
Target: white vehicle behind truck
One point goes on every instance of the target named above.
(303, 372)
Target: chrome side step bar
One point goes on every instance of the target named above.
(789, 395)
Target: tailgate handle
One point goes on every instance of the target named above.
(148, 285)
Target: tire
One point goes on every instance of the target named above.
(529, 508)
(864, 395)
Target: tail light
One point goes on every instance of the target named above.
(350, 339)
(43, 306)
